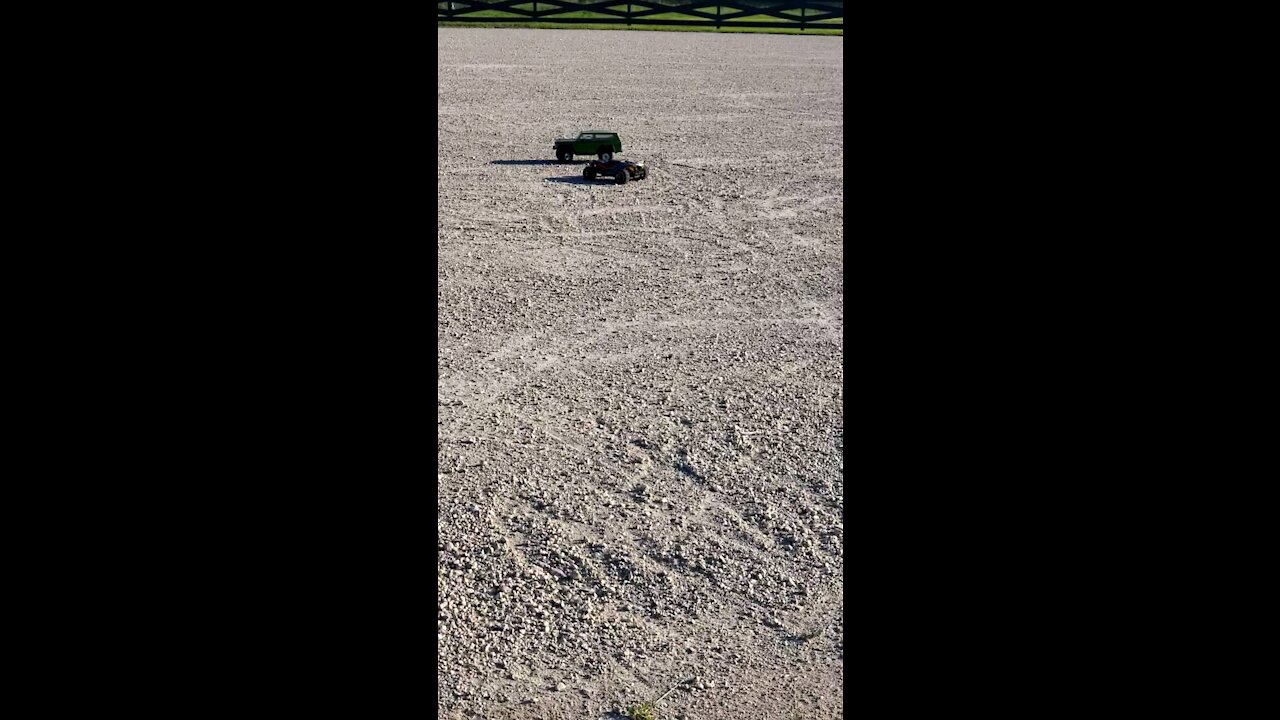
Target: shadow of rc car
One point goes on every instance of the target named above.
(620, 171)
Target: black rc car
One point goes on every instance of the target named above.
(620, 170)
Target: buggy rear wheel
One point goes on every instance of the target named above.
(589, 172)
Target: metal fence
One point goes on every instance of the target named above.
(794, 14)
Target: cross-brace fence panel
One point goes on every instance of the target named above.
(795, 14)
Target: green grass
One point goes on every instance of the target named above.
(665, 28)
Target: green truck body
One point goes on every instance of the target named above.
(592, 142)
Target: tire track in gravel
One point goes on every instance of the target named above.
(639, 414)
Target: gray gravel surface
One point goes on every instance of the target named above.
(640, 408)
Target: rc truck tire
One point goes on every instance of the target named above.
(605, 154)
(563, 157)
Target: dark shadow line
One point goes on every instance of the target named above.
(579, 180)
(534, 162)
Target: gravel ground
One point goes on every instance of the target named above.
(640, 408)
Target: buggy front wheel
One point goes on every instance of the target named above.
(621, 177)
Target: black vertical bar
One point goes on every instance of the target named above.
(802, 9)
(628, 14)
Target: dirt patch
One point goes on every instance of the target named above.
(640, 409)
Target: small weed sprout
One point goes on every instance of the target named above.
(643, 711)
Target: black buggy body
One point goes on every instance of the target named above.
(620, 171)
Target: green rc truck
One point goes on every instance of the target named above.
(593, 142)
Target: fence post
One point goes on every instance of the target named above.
(717, 18)
(802, 13)
(628, 14)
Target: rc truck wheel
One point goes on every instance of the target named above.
(605, 154)
(563, 157)
(621, 177)
(589, 173)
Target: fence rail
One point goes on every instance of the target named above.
(811, 15)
